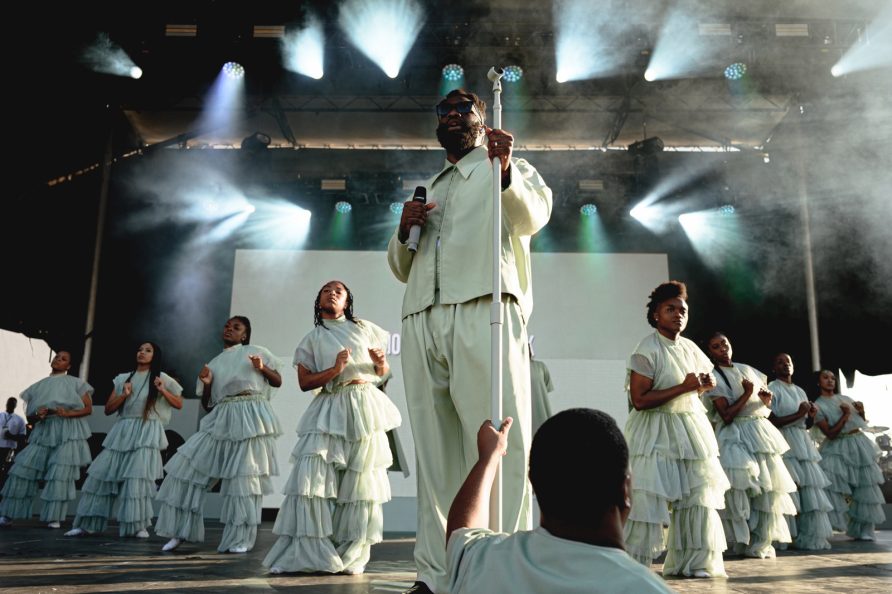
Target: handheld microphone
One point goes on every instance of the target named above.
(415, 230)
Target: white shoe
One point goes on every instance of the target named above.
(702, 573)
(238, 549)
(141, 534)
(76, 532)
(171, 545)
(54, 525)
(354, 570)
(4, 521)
(276, 570)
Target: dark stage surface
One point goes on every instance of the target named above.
(35, 559)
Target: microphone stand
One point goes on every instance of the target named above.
(495, 317)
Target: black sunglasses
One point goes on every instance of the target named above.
(465, 107)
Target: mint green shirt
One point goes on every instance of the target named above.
(455, 250)
(536, 562)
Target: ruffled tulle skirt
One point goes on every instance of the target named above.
(759, 499)
(677, 481)
(332, 511)
(811, 527)
(235, 443)
(125, 471)
(849, 461)
(57, 450)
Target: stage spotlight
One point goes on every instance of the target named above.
(766, 158)
(136, 72)
(256, 142)
(343, 207)
(453, 72)
(650, 75)
(735, 71)
(303, 51)
(726, 210)
(396, 208)
(836, 71)
(384, 30)
(588, 210)
(512, 73)
(234, 70)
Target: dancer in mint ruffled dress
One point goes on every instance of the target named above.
(751, 451)
(849, 457)
(235, 444)
(57, 447)
(130, 462)
(789, 408)
(677, 480)
(332, 512)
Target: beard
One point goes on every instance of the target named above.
(462, 141)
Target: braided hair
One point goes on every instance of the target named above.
(154, 371)
(348, 308)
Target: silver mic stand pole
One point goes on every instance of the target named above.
(495, 318)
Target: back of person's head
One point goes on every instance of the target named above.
(11, 404)
(578, 466)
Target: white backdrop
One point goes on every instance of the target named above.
(589, 314)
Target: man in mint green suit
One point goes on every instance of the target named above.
(446, 320)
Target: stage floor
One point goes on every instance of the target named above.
(35, 559)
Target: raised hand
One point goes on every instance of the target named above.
(691, 382)
(766, 396)
(128, 390)
(492, 443)
(377, 355)
(206, 376)
(256, 361)
(747, 387)
(341, 361)
(707, 382)
(158, 383)
(812, 409)
(501, 143)
(414, 213)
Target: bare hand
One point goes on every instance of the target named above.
(256, 361)
(61, 412)
(804, 408)
(158, 383)
(707, 382)
(377, 356)
(414, 213)
(691, 382)
(747, 387)
(501, 144)
(206, 376)
(492, 444)
(341, 361)
(128, 390)
(859, 407)
(812, 409)
(765, 396)
(42, 412)
(846, 410)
